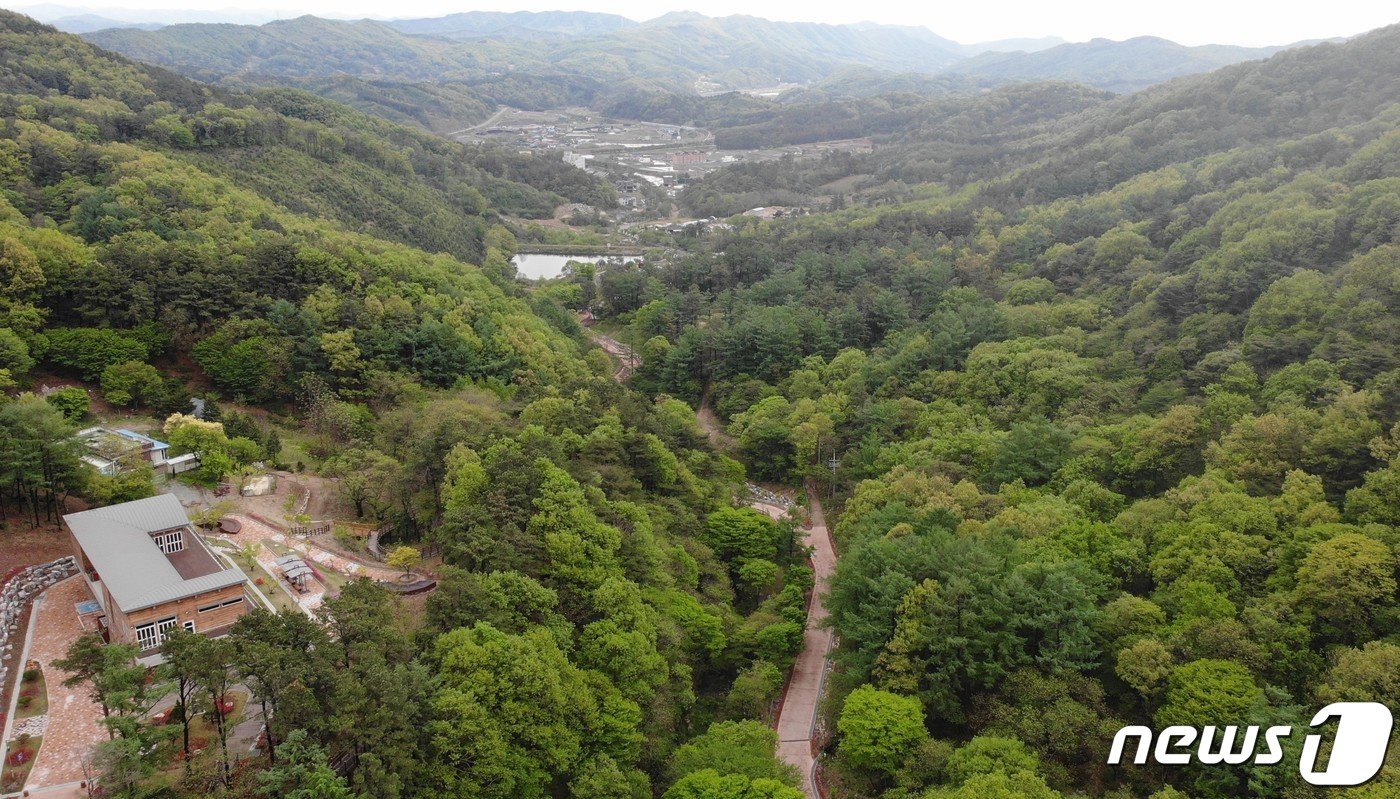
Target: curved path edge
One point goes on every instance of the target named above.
(797, 721)
(797, 715)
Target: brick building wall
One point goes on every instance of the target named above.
(211, 613)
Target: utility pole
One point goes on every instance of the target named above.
(832, 464)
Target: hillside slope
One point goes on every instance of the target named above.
(1124, 66)
(395, 181)
(304, 47)
(673, 50)
(1114, 411)
(137, 190)
(1292, 94)
(160, 238)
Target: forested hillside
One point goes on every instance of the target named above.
(1116, 410)
(441, 73)
(304, 47)
(603, 601)
(1104, 391)
(668, 52)
(447, 73)
(1027, 143)
(366, 173)
(1124, 66)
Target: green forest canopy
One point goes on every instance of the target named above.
(1115, 397)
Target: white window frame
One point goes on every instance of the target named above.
(152, 634)
(189, 626)
(170, 541)
(146, 636)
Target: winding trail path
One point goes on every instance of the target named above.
(797, 721)
(624, 354)
(797, 718)
(705, 415)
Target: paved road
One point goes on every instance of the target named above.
(798, 718)
(491, 120)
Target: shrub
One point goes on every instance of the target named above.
(71, 401)
(879, 729)
(132, 383)
(90, 350)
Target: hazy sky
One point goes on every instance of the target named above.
(1249, 22)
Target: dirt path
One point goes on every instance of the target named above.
(707, 419)
(624, 353)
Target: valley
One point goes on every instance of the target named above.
(475, 407)
(633, 155)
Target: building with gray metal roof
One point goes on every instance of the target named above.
(150, 570)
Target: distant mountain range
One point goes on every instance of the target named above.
(64, 17)
(681, 51)
(674, 51)
(519, 24)
(1012, 45)
(1117, 66)
(87, 23)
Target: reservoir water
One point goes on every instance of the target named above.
(537, 266)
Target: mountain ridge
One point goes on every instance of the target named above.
(672, 51)
(1122, 66)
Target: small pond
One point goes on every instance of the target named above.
(538, 266)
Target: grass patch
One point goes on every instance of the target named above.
(19, 759)
(203, 725)
(333, 580)
(270, 586)
(204, 741)
(296, 447)
(273, 590)
(33, 695)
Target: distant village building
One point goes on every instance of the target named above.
(775, 212)
(151, 573)
(678, 159)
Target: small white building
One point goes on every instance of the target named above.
(183, 463)
(104, 466)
